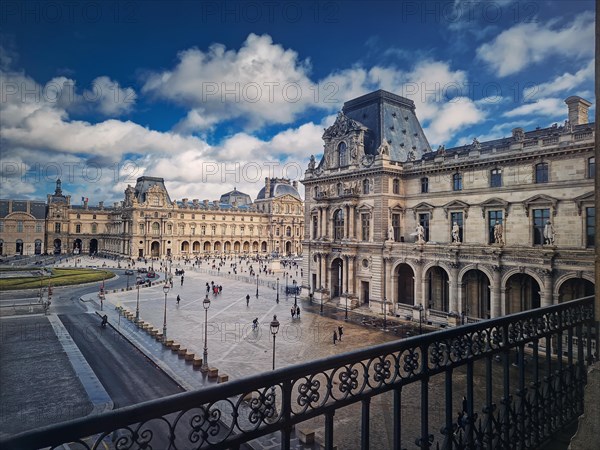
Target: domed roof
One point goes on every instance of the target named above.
(236, 196)
(278, 188)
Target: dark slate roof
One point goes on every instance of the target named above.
(392, 118)
(279, 187)
(36, 208)
(211, 205)
(236, 196)
(144, 183)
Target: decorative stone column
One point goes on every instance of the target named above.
(418, 287)
(496, 297)
(351, 219)
(546, 299)
(453, 303)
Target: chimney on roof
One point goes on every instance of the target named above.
(184, 202)
(578, 110)
(101, 205)
(195, 202)
(267, 187)
(295, 184)
(205, 202)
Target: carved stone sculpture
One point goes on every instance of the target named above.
(420, 234)
(311, 163)
(549, 233)
(455, 233)
(498, 234)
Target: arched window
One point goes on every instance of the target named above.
(288, 231)
(338, 225)
(94, 228)
(424, 185)
(396, 186)
(155, 228)
(342, 154)
(366, 187)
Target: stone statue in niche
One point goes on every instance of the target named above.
(411, 155)
(441, 151)
(498, 233)
(311, 163)
(390, 233)
(475, 145)
(549, 234)
(518, 134)
(420, 234)
(455, 233)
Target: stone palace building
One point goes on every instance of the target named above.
(147, 223)
(456, 234)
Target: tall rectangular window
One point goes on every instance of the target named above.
(1, 226)
(19, 226)
(315, 227)
(424, 222)
(591, 172)
(496, 178)
(457, 182)
(493, 218)
(540, 217)
(457, 218)
(396, 186)
(590, 227)
(366, 226)
(424, 185)
(57, 227)
(541, 173)
(38, 227)
(94, 228)
(396, 226)
(78, 228)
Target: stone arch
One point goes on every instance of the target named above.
(528, 295)
(336, 270)
(217, 246)
(560, 280)
(489, 273)
(263, 246)
(436, 294)
(236, 246)
(227, 247)
(207, 246)
(196, 247)
(574, 287)
(527, 271)
(185, 246)
(246, 246)
(403, 282)
(475, 293)
(255, 246)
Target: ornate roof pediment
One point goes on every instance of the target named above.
(342, 126)
(396, 209)
(456, 204)
(540, 200)
(582, 199)
(365, 208)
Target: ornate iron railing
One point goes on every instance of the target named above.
(521, 379)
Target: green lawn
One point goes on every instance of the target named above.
(59, 277)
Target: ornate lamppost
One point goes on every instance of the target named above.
(274, 330)
(321, 300)
(166, 291)
(256, 285)
(138, 281)
(206, 305)
(277, 290)
(420, 318)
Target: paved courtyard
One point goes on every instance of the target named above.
(233, 346)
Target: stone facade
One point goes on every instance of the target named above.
(506, 225)
(22, 227)
(147, 223)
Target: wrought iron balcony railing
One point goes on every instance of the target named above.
(521, 379)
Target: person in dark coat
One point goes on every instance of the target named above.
(335, 337)
(340, 332)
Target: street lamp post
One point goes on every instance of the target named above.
(166, 291)
(256, 285)
(206, 305)
(420, 318)
(274, 330)
(346, 314)
(138, 281)
(128, 281)
(277, 290)
(295, 291)
(286, 283)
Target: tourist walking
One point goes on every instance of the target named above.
(298, 311)
(340, 332)
(248, 300)
(335, 337)
(182, 280)
(178, 299)
(293, 311)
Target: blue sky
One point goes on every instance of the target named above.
(212, 95)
